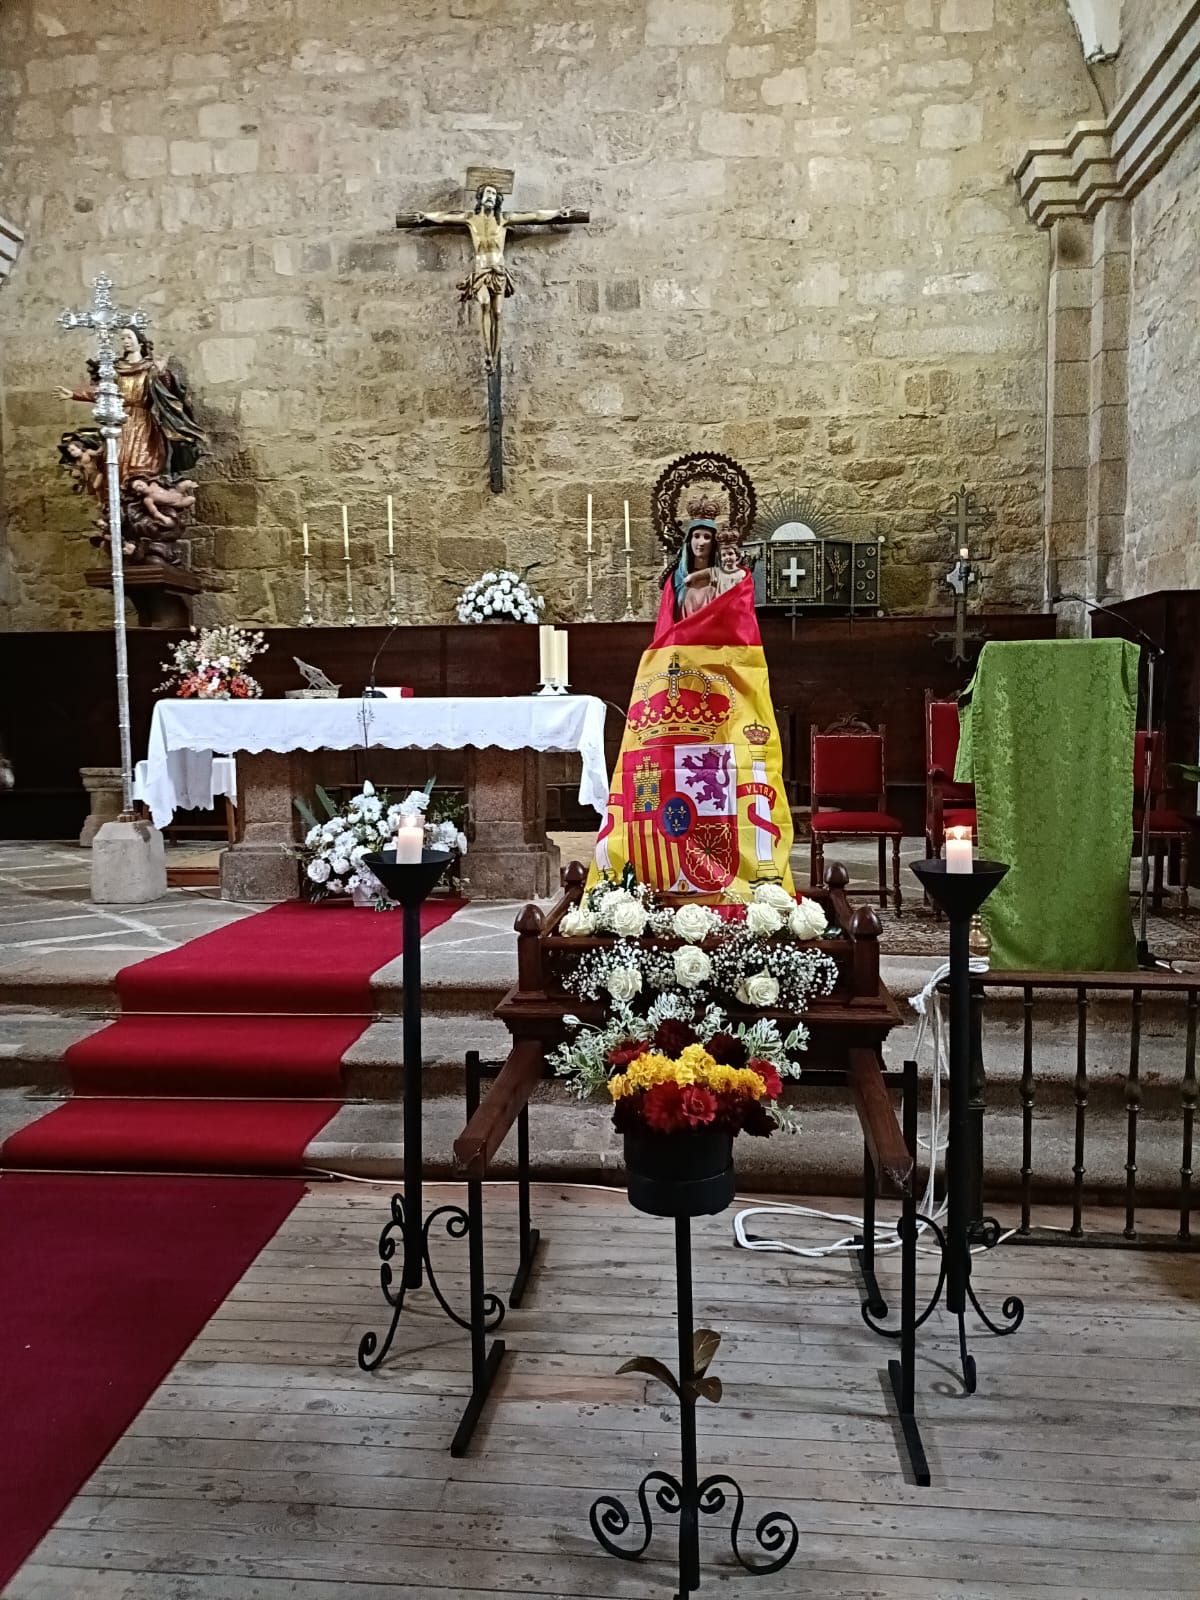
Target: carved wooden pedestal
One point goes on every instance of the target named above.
(161, 596)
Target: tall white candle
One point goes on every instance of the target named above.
(304, 535)
(545, 652)
(391, 546)
(346, 532)
(560, 657)
(410, 840)
(627, 544)
(959, 851)
(589, 524)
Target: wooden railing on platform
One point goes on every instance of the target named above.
(1138, 986)
(846, 1027)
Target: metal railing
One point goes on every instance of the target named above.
(1138, 987)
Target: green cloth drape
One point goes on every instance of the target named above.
(1047, 740)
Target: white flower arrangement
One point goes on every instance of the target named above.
(332, 852)
(498, 597)
(756, 959)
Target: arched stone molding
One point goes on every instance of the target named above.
(1114, 158)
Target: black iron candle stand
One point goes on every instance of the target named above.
(688, 1496)
(959, 895)
(407, 1228)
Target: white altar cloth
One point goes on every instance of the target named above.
(184, 734)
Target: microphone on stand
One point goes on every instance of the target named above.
(1154, 653)
(371, 692)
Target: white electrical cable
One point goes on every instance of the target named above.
(928, 1007)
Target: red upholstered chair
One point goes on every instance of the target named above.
(1169, 828)
(947, 804)
(849, 794)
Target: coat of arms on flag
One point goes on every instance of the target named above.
(697, 803)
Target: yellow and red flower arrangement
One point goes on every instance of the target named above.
(678, 1085)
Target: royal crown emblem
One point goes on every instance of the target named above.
(757, 733)
(705, 507)
(680, 698)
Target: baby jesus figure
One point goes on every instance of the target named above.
(730, 568)
(154, 495)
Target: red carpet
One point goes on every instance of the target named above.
(227, 1055)
(105, 1284)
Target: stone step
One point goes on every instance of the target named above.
(571, 1143)
(32, 1046)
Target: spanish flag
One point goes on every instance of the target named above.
(697, 803)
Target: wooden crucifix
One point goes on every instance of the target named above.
(489, 282)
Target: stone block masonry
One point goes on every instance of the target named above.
(806, 251)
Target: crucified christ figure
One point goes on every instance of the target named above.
(489, 283)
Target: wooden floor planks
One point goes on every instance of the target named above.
(268, 1467)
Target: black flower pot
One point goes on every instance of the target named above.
(679, 1174)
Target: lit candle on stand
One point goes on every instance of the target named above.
(410, 840)
(959, 850)
(346, 532)
(391, 540)
(589, 525)
(628, 546)
(304, 536)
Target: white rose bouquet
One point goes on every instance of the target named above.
(333, 851)
(499, 597)
(750, 956)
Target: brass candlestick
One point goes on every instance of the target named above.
(307, 620)
(627, 615)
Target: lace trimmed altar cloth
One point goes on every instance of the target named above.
(184, 734)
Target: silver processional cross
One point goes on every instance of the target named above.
(107, 320)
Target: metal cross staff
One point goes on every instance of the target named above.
(107, 320)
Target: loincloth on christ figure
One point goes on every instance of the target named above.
(495, 281)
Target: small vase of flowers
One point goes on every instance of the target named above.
(211, 665)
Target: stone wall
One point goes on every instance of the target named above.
(806, 251)
(1162, 523)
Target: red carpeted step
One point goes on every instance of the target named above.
(247, 1136)
(294, 957)
(106, 1282)
(210, 1055)
(255, 1017)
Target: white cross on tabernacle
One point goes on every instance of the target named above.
(793, 572)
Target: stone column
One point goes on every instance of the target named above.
(1108, 420)
(103, 785)
(1068, 351)
(511, 857)
(260, 866)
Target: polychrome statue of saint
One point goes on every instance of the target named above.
(697, 804)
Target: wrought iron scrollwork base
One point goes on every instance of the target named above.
(775, 1533)
(986, 1233)
(396, 1234)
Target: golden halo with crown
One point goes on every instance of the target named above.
(704, 486)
